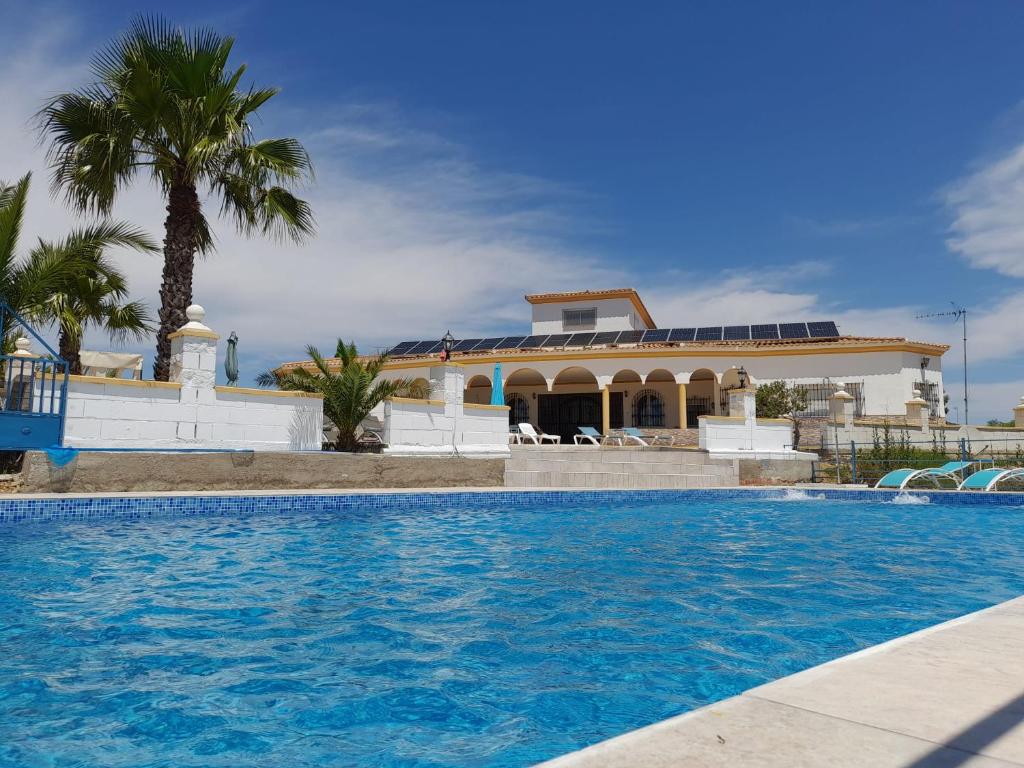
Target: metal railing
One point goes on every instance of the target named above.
(867, 462)
(33, 390)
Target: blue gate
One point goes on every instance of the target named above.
(33, 391)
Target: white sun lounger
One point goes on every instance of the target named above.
(527, 432)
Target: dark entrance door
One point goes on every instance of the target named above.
(561, 414)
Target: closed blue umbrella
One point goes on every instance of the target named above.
(497, 392)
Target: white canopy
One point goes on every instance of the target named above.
(103, 363)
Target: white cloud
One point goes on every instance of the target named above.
(415, 236)
(987, 206)
(725, 298)
(848, 227)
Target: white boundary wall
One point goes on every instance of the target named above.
(724, 433)
(741, 430)
(445, 425)
(190, 411)
(107, 413)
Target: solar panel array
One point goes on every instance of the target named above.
(713, 333)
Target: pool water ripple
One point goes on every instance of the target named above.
(476, 637)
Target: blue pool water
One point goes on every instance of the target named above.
(462, 637)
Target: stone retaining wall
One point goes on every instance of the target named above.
(264, 470)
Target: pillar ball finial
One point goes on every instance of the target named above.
(23, 344)
(195, 313)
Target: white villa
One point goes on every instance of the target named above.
(598, 358)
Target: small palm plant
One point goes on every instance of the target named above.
(168, 104)
(69, 283)
(349, 385)
(93, 295)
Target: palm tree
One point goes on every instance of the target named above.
(165, 102)
(70, 283)
(94, 295)
(350, 391)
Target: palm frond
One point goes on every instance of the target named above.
(127, 322)
(13, 199)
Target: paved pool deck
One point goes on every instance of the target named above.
(950, 695)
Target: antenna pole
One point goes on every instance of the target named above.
(967, 419)
(958, 313)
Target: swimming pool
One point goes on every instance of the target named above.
(491, 633)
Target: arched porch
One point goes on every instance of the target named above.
(560, 396)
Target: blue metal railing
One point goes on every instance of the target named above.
(33, 391)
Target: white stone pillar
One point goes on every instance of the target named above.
(194, 366)
(743, 402)
(842, 408)
(21, 373)
(917, 411)
(194, 352)
(448, 383)
(22, 347)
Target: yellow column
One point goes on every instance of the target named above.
(716, 394)
(606, 411)
(682, 406)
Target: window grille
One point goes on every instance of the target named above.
(930, 392)
(697, 407)
(648, 409)
(519, 408)
(819, 398)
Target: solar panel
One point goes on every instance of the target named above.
(736, 332)
(512, 342)
(824, 330)
(558, 340)
(422, 347)
(492, 343)
(532, 342)
(403, 348)
(682, 334)
(792, 330)
(770, 331)
(581, 340)
(465, 345)
(434, 347)
(630, 337)
(709, 333)
(656, 334)
(606, 337)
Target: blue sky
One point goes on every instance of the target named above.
(736, 162)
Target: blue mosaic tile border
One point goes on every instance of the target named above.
(14, 510)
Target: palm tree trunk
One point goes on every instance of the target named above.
(69, 349)
(181, 228)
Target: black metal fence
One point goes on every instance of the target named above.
(868, 462)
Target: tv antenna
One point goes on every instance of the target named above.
(957, 313)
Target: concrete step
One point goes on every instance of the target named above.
(658, 468)
(554, 453)
(515, 479)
